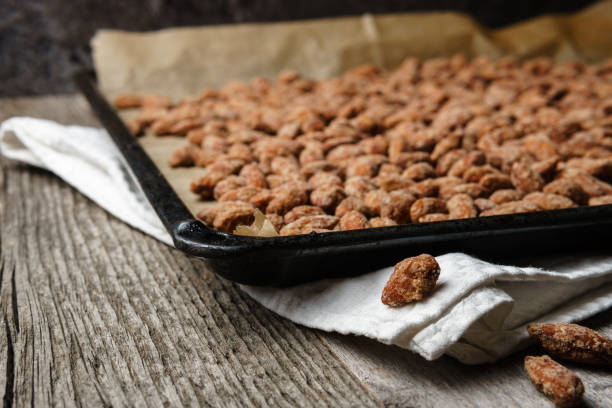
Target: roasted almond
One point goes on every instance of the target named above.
(573, 342)
(559, 384)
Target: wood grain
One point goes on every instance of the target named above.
(94, 313)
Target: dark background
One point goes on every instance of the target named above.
(43, 41)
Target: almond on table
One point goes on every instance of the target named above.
(573, 342)
(557, 383)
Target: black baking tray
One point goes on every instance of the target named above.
(285, 261)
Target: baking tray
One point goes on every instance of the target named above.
(285, 261)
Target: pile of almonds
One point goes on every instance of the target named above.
(441, 139)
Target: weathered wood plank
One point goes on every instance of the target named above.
(96, 314)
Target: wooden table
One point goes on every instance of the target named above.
(95, 313)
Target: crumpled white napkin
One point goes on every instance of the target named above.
(476, 314)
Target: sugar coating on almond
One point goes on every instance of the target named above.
(573, 342)
(556, 382)
(412, 280)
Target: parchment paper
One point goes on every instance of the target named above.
(182, 61)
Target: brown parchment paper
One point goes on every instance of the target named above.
(182, 61)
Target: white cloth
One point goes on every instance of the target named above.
(476, 314)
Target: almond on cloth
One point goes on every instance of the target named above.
(412, 279)
(559, 384)
(573, 342)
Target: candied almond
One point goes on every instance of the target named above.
(474, 190)
(205, 185)
(262, 199)
(327, 196)
(445, 145)
(405, 159)
(135, 126)
(284, 165)
(324, 178)
(470, 159)
(396, 205)
(540, 146)
(205, 157)
(573, 342)
(127, 101)
(511, 207)
(309, 223)
(505, 195)
(310, 169)
(601, 168)
(352, 220)
(240, 194)
(288, 131)
(556, 382)
(253, 175)
(182, 157)
(494, 182)
(484, 204)
(412, 279)
(426, 205)
(525, 179)
(446, 161)
(358, 186)
(388, 169)
(374, 145)
(366, 166)
(207, 215)
(601, 200)
(230, 214)
(548, 201)
(215, 143)
(228, 184)
(276, 221)
(240, 151)
(473, 174)
(419, 171)
(309, 155)
(568, 188)
(378, 222)
(196, 136)
(182, 126)
(374, 199)
(284, 199)
(343, 152)
(461, 206)
(546, 168)
(155, 101)
(162, 125)
(434, 217)
(391, 182)
(302, 211)
(351, 203)
(592, 186)
(425, 188)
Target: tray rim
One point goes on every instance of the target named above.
(194, 238)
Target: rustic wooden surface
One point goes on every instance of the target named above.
(94, 313)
